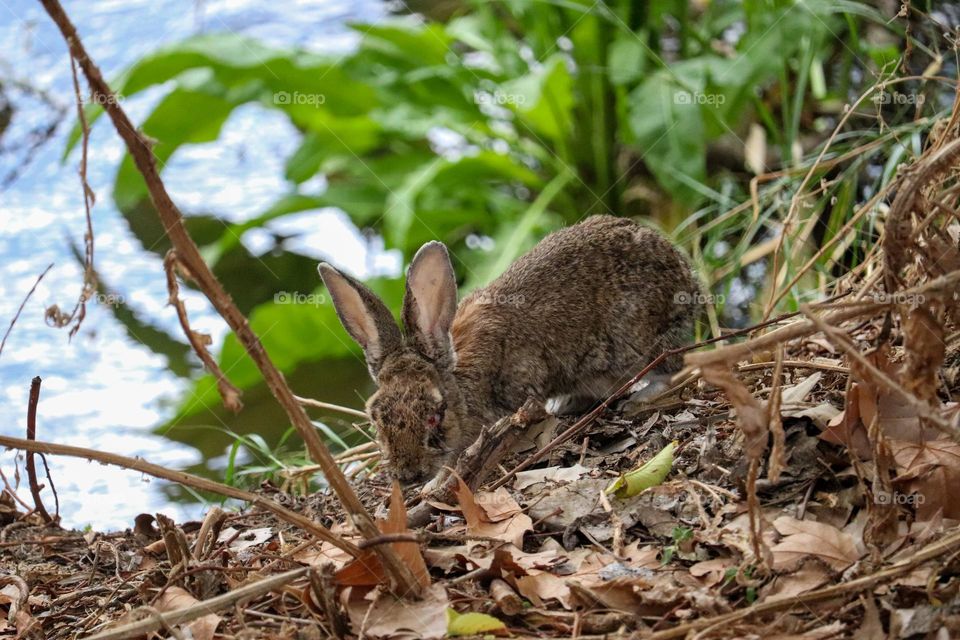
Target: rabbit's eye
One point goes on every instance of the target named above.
(435, 420)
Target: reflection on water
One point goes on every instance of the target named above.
(104, 389)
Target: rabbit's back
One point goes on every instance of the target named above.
(581, 312)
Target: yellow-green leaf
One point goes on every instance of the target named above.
(471, 624)
(649, 474)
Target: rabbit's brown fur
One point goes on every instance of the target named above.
(576, 316)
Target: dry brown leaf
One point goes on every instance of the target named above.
(17, 599)
(497, 505)
(925, 348)
(805, 539)
(930, 472)
(870, 626)
(526, 479)
(176, 598)
(846, 428)
(653, 594)
(789, 585)
(408, 552)
(712, 572)
(751, 412)
(382, 615)
(511, 523)
(366, 570)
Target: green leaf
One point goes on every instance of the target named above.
(626, 59)
(649, 474)
(295, 328)
(520, 234)
(181, 117)
(330, 136)
(471, 623)
(668, 127)
(543, 99)
(407, 39)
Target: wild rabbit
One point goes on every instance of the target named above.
(573, 318)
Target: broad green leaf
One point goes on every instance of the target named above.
(520, 235)
(295, 328)
(649, 474)
(406, 39)
(543, 98)
(668, 129)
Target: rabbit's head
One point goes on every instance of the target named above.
(417, 406)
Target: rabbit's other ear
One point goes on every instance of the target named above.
(431, 302)
(363, 315)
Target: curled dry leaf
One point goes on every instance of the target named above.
(751, 413)
(14, 595)
(925, 347)
(493, 515)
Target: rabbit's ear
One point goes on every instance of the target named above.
(431, 302)
(363, 315)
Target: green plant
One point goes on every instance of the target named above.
(492, 128)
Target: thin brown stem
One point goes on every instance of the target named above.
(32, 435)
(186, 479)
(404, 582)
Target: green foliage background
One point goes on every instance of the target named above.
(562, 109)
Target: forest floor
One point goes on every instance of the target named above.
(836, 553)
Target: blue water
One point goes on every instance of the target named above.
(103, 389)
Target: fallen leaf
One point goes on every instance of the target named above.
(175, 598)
(751, 412)
(930, 471)
(472, 623)
(526, 479)
(712, 572)
(925, 347)
(382, 615)
(790, 585)
(366, 570)
(797, 393)
(649, 474)
(511, 523)
(240, 540)
(804, 539)
(870, 627)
